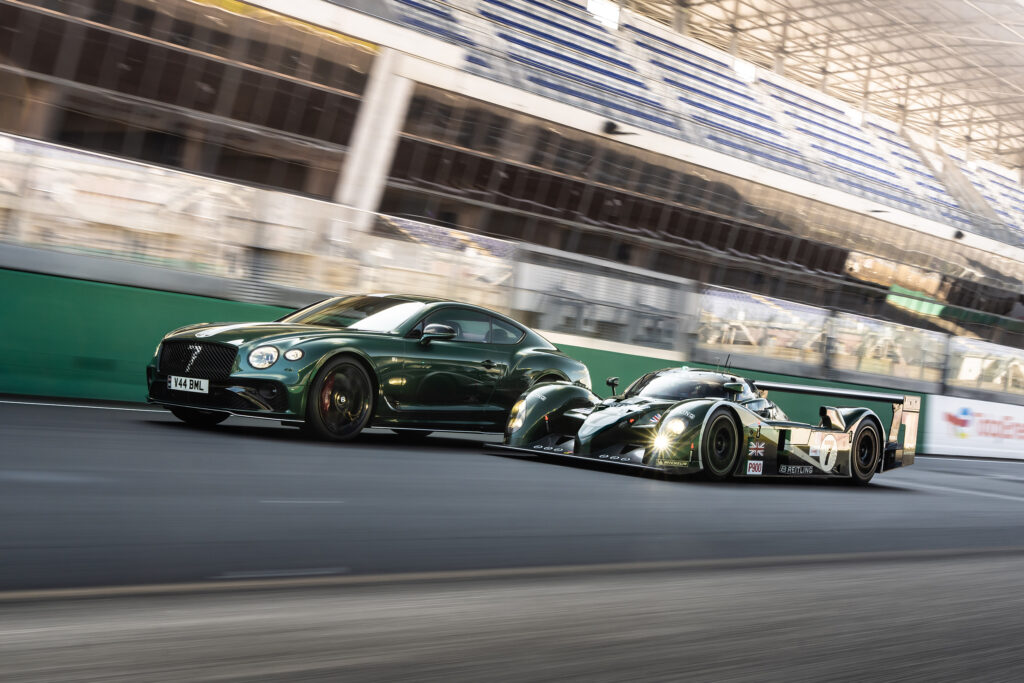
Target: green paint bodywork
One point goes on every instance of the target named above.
(441, 384)
(570, 421)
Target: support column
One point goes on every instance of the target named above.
(374, 139)
(681, 17)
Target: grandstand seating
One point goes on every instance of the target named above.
(642, 74)
(1002, 194)
(707, 90)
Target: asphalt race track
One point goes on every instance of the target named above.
(98, 497)
(538, 570)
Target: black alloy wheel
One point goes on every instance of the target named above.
(340, 400)
(199, 418)
(720, 446)
(865, 453)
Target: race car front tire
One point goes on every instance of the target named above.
(720, 445)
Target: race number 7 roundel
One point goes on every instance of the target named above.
(828, 452)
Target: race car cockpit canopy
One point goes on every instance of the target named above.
(680, 384)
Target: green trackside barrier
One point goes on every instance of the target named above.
(76, 338)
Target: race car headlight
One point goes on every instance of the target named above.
(293, 354)
(675, 426)
(516, 417)
(263, 357)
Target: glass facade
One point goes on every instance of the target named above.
(218, 88)
(468, 163)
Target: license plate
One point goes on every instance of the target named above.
(198, 386)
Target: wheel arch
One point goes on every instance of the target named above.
(363, 360)
(870, 417)
(552, 375)
(711, 410)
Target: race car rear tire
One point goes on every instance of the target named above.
(199, 418)
(865, 452)
(340, 400)
(720, 445)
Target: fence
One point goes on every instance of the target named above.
(261, 241)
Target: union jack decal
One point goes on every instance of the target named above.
(756, 449)
(656, 419)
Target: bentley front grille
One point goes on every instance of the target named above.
(196, 359)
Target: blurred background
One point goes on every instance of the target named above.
(824, 192)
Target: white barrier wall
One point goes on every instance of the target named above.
(961, 426)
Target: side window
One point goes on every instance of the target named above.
(469, 326)
(503, 333)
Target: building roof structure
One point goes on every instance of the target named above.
(951, 69)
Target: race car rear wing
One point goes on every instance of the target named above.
(906, 412)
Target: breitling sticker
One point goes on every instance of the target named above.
(756, 450)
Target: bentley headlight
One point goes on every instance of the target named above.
(263, 357)
(661, 442)
(293, 354)
(675, 426)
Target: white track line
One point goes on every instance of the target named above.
(79, 405)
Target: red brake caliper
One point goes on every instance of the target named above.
(325, 395)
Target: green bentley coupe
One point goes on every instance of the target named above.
(405, 362)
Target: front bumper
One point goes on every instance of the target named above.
(236, 395)
(539, 450)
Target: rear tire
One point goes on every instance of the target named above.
(340, 400)
(720, 446)
(865, 453)
(199, 418)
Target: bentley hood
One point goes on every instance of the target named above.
(238, 334)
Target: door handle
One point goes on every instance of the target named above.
(488, 364)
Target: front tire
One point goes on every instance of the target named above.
(340, 400)
(865, 453)
(199, 418)
(720, 446)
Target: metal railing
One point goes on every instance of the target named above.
(55, 199)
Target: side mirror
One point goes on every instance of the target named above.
(736, 387)
(612, 382)
(436, 332)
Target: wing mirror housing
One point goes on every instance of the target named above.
(612, 382)
(436, 332)
(736, 387)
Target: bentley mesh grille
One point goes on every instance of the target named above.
(197, 359)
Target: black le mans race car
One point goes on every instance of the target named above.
(681, 420)
(404, 362)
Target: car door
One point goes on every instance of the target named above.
(452, 382)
